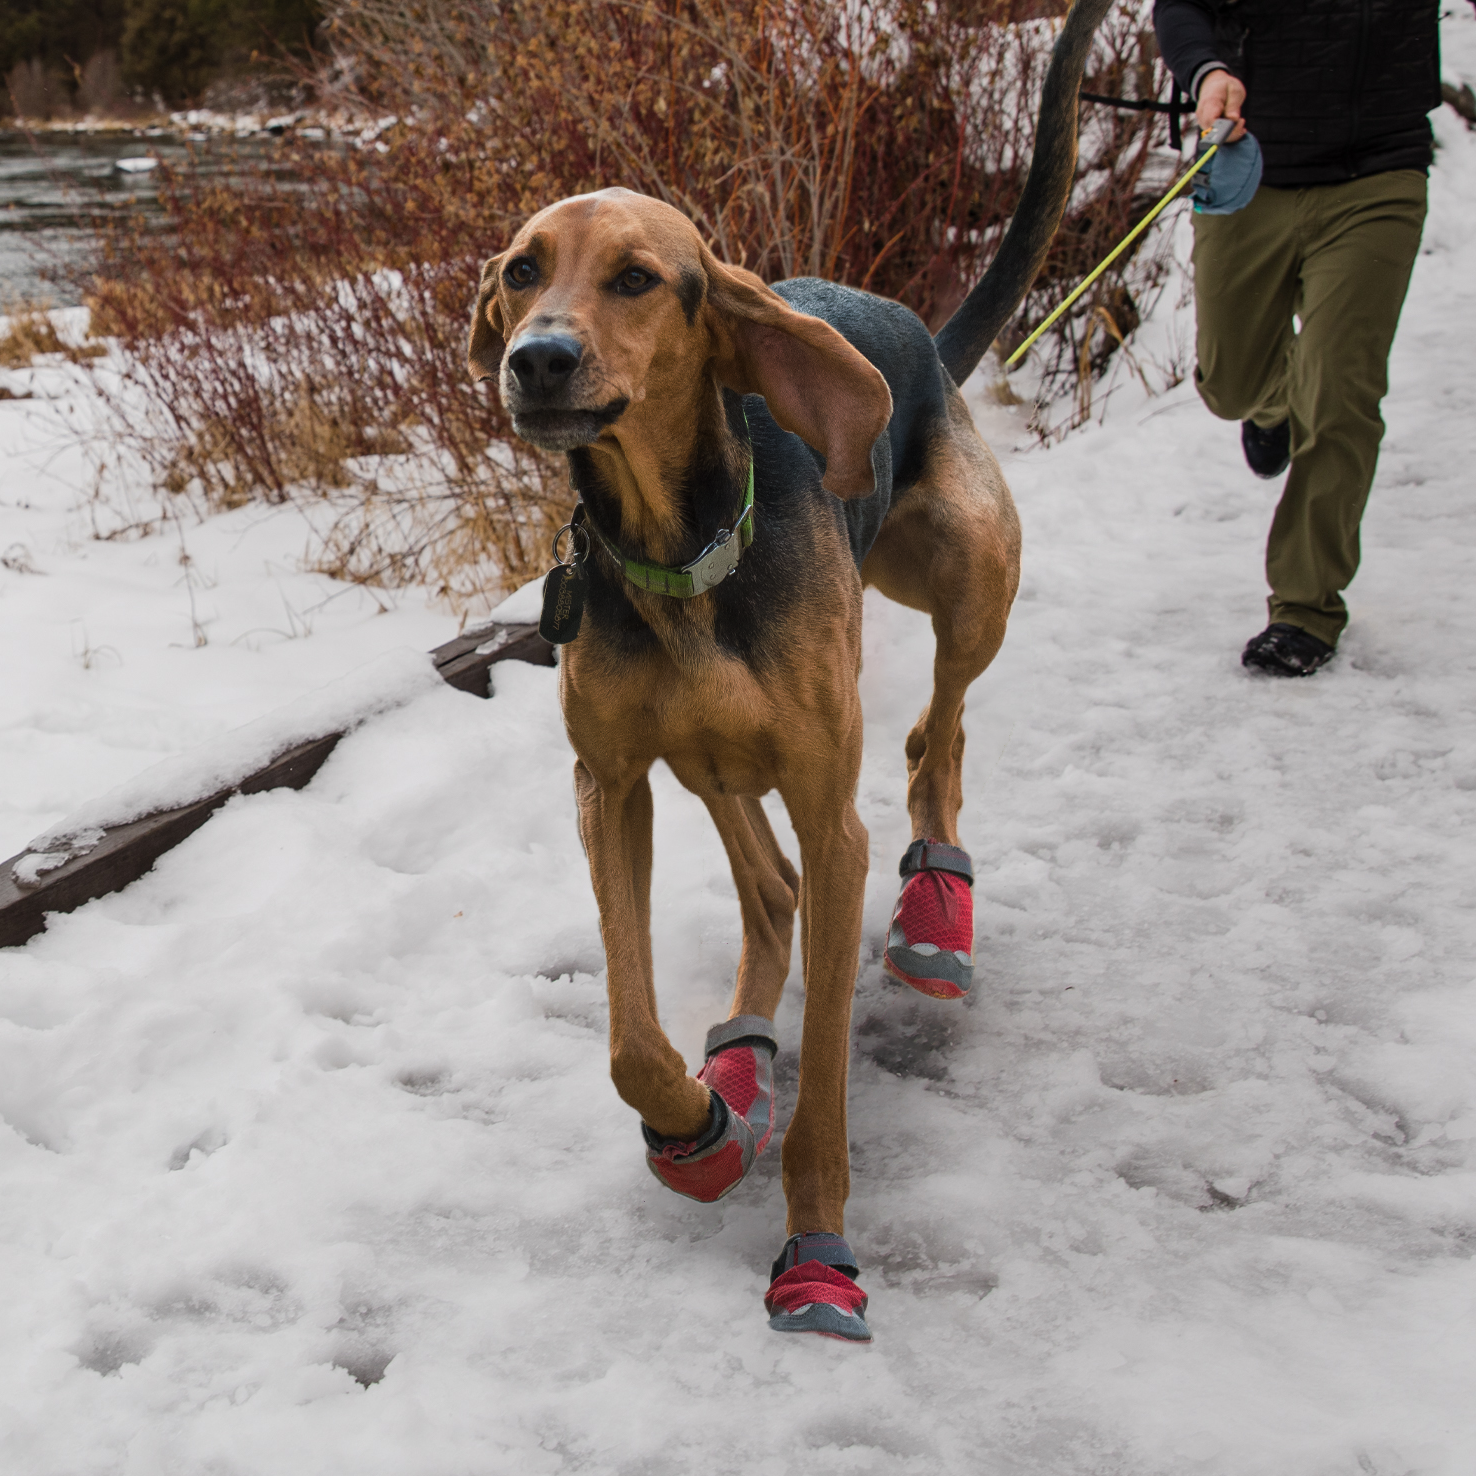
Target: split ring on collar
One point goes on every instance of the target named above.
(575, 532)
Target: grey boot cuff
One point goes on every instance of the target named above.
(749, 1029)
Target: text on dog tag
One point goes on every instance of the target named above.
(563, 604)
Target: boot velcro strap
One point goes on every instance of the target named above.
(928, 855)
(745, 1030)
(820, 1245)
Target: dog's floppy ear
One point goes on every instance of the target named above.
(484, 351)
(816, 385)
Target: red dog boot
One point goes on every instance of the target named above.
(740, 1066)
(739, 1075)
(811, 1289)
(931, 942)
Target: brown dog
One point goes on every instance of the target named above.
(802, 441)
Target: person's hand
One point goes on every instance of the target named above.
(1220, 96)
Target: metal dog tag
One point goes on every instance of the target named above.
(563, 604)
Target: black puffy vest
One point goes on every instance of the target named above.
(1336, 89)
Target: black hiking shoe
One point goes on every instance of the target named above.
(1267, 452)
(1286, 650)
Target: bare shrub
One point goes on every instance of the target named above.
(875, 147)
(280, 352)
(1123, 168)
(27, 333)
(299, 333)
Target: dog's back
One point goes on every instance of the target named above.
(897, 341)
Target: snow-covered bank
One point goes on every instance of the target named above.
(119, 650)
(223, 763)
(311, 1162)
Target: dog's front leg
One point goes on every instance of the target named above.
(833, 855)
(648, 1072)
(813, 1286)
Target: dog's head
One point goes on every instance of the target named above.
(607, 316)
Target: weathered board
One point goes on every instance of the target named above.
(126, 852)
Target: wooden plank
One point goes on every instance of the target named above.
(126, 852)
(290, 770)
(123, 855)
(497, 638)
(468, 659)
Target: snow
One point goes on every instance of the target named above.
(523, 606)
(388, 682)
(310, 1155)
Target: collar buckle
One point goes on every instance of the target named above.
(715, 562)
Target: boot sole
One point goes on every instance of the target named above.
(933, 988)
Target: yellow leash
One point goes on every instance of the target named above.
(1217, 134)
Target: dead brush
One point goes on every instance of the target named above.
(299, 333)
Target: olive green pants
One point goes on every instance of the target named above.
(1338, 257)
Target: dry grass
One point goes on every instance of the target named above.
(299, 334)
(30, 334)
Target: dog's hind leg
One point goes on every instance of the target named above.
(739, 1053)
(768, 893)
(951, 549)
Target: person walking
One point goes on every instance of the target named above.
(1297, 295)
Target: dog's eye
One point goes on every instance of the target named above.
(633, 281)
(523, 272)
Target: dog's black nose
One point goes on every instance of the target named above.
(544, 363)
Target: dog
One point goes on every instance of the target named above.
(747, 458)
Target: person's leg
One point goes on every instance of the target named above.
(1361, 241)
(1245, 287)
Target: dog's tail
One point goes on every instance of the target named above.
(965, 338)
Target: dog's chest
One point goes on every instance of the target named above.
(722, 731)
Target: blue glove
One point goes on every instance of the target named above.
(1228, 181)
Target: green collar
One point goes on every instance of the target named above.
(705, 572)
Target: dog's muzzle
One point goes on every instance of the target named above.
(539, 382)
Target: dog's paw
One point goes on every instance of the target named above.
(812, 1290)
(708, 1167)
(739, 1075)
(740, 1068)
(931, 940)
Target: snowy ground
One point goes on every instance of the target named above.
(310, 1157)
